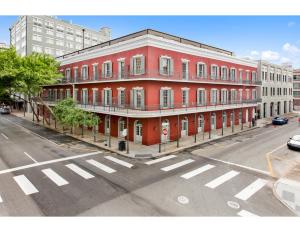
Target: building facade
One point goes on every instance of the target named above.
(46, 34)
(276, 91)
(154, 87)
(296, 88)
(3, 46)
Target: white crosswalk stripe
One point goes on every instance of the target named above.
(177, 165)
(101, 166)
(251, 189)
(26, 186)
(245, 213)
(52, 175)
(79, 171)
(1, 200)
(160, 159)
(222, 179)
(118, 161)
(197, 171)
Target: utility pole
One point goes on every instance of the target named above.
(83, 32)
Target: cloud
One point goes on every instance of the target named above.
(287, 47)
(254, 53)
(285, 60)
(270, 55)
(291, 24)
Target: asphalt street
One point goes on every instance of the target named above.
(46, 173)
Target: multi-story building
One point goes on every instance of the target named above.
(46, 34)
(150, 84)
(296, 88)
(3, 46)
(276, 91)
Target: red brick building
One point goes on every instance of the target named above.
(149, 81)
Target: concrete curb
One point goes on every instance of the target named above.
(280, 199)
(133, 157)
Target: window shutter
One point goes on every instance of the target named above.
(131, 66)
(161, 98)
(131, 98)
(160, 66)
(204, 98)
(205, 70)
(143, 65)
(110, 68)
(103, 71)
(143, 99)
(187, 70)
(171, 67)
(119, 97)
(211, 72)
(102, 97)
(87, 72)
(172, 98)
(187, 97)
(218, 96)
(197, 97)
(110, 97)
(198, 70)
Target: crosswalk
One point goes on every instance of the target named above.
(109, 166)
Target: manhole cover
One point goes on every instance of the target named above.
(233, 204)
(183, 200)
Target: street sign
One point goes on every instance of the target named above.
(165, 131)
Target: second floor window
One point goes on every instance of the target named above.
(224, 73)
(185, 70)
(254, 94)
(166, 98)
(185, 97)
(75, 74)
(253, 76)
(138, 65)
(137, 98)
(214, 72)
(201, 98)
(95, 72)
(68, 74)
(95, 97)
(224, 96)
(84, 72)
(166, 66)
(106, 97)
(214, 96)
(121, 97)
(201, 70)
(107, 69)
(232, 74)
(121, 69)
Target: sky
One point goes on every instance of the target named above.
(272, 38)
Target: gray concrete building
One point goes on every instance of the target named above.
(296, 89)
(48, 34)
(276, 91)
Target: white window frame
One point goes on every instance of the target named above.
(214, 73)
(136, 71)
(185, 75)
(204, 73)
(95, 71)
(214, 97)
(107, 69)
(85, 76)
(224, 77)
(201, 100)
(232, 74)
(185, 96)
(121, 71)
(169, 71)
(68, 74)
(121, 91)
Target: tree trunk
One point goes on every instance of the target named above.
(33, 111)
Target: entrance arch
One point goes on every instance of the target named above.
(138, 132)
(184, 127)
(165, 124)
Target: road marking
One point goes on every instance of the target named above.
(197, 171)
(1, 200)
(118, 161)
(160, 159)
(57, 179)
(222, 179)
(251, 189)
(238, 165)
(177, 165)
(27, 187)
(245, 213)
(80, 171)
(101, 166)
(277, 148)
(30, 157)
(48, 162)
(4, 136)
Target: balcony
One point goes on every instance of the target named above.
(156, 75)
(147, 111)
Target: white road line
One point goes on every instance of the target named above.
(27, 187)
(4, 136)
(80, 171)
(52, 175)
(1, 200)
(118, 161)
(177, 165)
(197, 171)
(48, 162)
(251, 189)
(160, 159)
(30, 157)
(222, 179)
(245, 213)
(101, 166)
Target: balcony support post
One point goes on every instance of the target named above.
(242, 127)
(160, 141)
(43, 114)
(127, 136)
(177, 131)
(222, 123)
(209, 132)
(195, 125)
(233, 119)
(109, 136)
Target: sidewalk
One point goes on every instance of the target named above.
(139, 150)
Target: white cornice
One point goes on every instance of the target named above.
(155, 41)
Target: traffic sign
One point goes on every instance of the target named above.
(165, 131)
